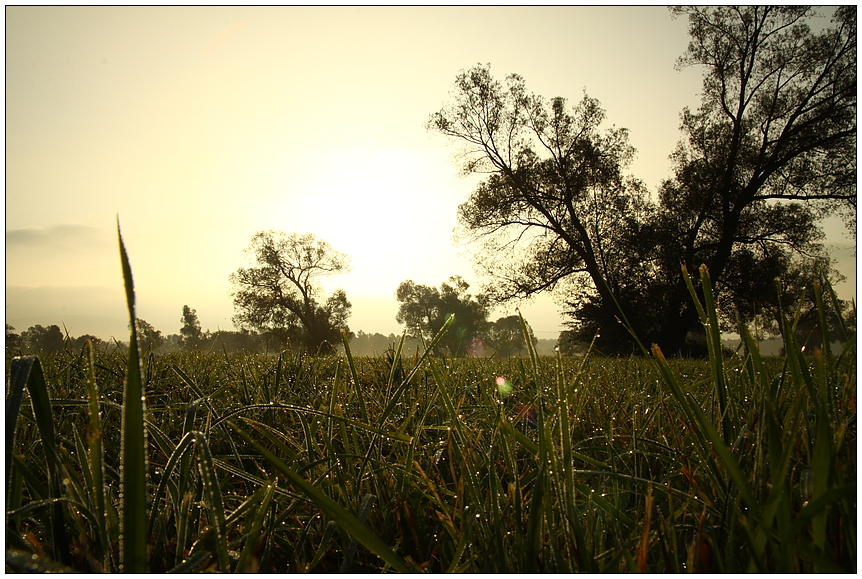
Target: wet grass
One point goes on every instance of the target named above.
(295, 463)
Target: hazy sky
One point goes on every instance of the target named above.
(200, 126)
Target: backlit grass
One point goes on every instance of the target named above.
(295, 463)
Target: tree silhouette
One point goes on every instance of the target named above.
(281, 293)
(149, 338)
(507, 336)
(41, 339)
(191, 334)
(557, 205)
(13, 340)
(425, 309)
(769, 153)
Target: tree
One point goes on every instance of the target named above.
(507, 336)
(81, 341)
(149, 338)
(40, 339)
(281, 293)
(425, 309)
(568, 344)
(192, 337)
(770, 152)
(13, 340)
(557, 205)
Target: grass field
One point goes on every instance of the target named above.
(292, 463)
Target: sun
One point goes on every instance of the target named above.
(390, 210)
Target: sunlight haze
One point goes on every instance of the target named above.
(199, 126)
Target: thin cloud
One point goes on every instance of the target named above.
(56, 236)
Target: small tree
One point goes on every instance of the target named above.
(81, 341)
(507, 336)
(40, 339)
(149, 338)
(192, 337)
(425, 309)
(13, 340)
(281, 294)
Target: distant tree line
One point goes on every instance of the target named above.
(281, 296)
(40, 339)
(475, 336)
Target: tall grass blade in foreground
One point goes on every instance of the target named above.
(335, 511)
(27, 372)
(133, 469)
(800, 416)
(96, 457)
(437, 463)
(709, 319)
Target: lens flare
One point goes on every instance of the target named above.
(476, 347)
(504, 387)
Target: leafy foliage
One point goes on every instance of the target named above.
(770, 151)
(282, 292)
(191, 334)
(42, 339)
(425, 309)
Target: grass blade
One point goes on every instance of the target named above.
(245, 558)
(133, 474)
(355, 377)
(336, 512)
(709, 320)
(27, 372)
(96, 457)
(214, 499)
(20, 371)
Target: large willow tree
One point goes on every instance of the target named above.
(557, 205)
(769, 153)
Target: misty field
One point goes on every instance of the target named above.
(296, 463)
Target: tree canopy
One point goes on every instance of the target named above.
(42, 339)
(506, 337)
(282, 293)
(149, 338)
(191, 335)
(770, 152)
(424, 310)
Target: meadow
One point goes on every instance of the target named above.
(294, 463)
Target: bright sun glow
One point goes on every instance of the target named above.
(377, 206)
